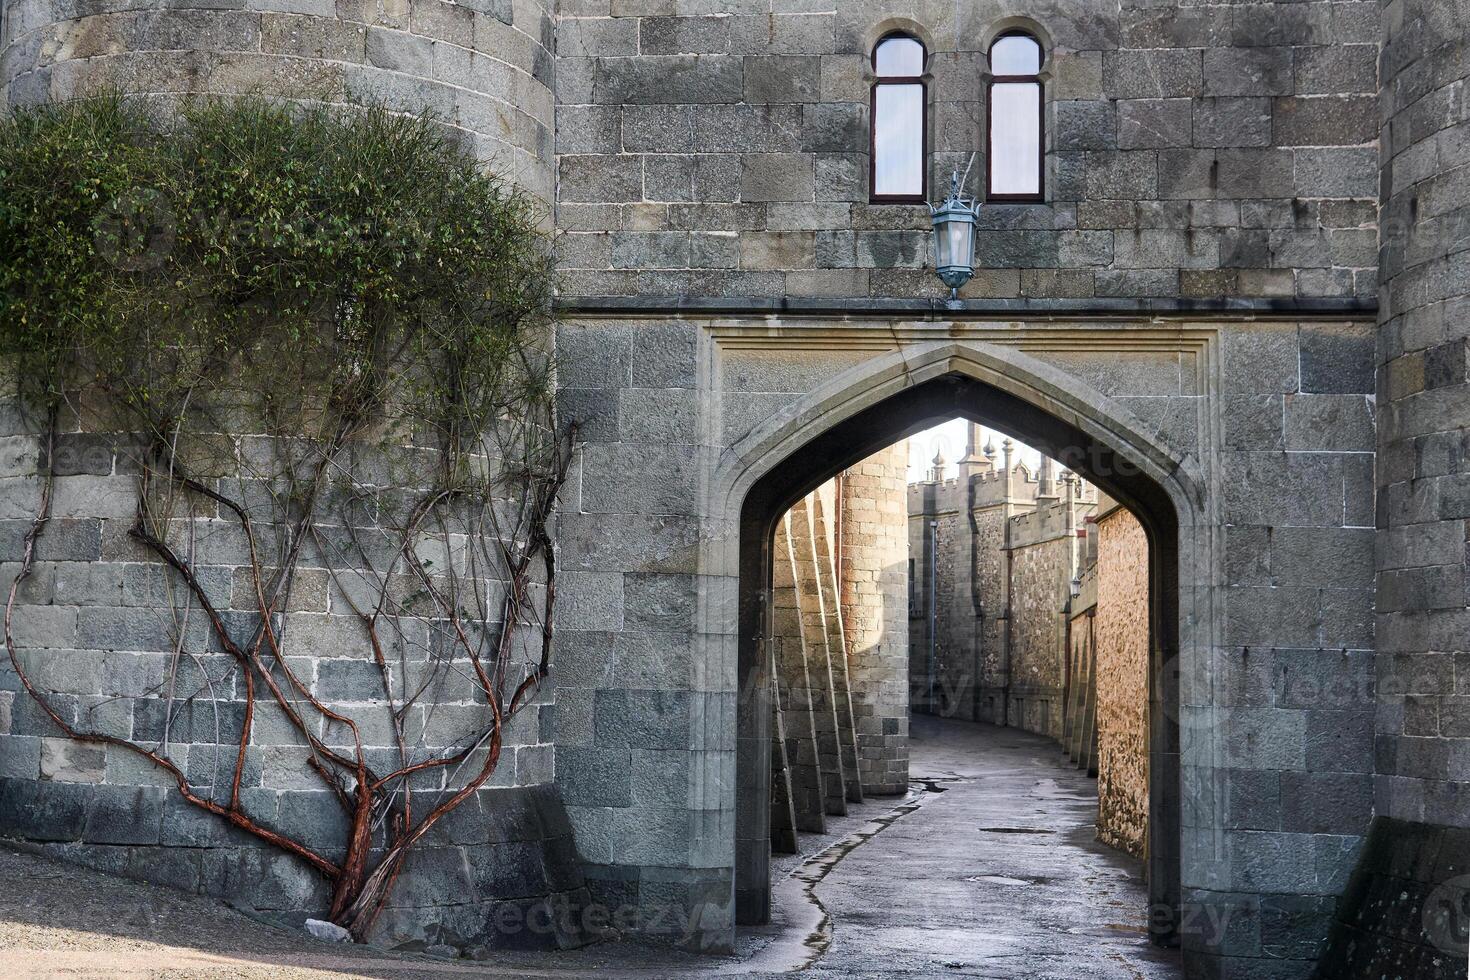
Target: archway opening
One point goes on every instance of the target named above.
(792, 486)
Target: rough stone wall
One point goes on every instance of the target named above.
(723, 150)
(970, 572)
(485, 69)
(1121, 633)
(1041, 568)
(945, 530)
(1423, 389)
(875, 592)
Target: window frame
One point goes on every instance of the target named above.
(920, 80)
(991, 81)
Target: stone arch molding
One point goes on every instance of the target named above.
(742, 496)
(1053, 391)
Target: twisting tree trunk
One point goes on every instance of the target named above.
(378, 807)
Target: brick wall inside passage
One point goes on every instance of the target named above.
(1121, 630)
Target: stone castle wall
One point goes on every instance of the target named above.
(1121, 633)
(1421, 685)
(1043, 563)
(1078, 666)
(100, 623)
(1005, 556)
(875, 594)
(1423, 387)
(484, 69)
(722, 150)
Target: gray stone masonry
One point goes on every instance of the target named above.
(722, 149)
(1423, 517)
(1275, 701)
(874, 577)
(98, 626)
(484, 69)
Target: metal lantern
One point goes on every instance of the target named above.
(954, 238)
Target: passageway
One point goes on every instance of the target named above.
(999, 875)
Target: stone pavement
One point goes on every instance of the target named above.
(997, 876)
(992, 871)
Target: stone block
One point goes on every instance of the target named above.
(514, 869)
(399, 51)
(659, 602)
(779, 78)
(683, 35)
(124, 815)
(778, 177)
(1303, 489)
(1220, 122)
(839, 128)
(349, 681)
(43, 811)
(1152, 74)
(600, 178)
(653, 128)
(659, 79)
(588, 129)
(20, 757)
(643, 719)
(1248, 71)
(1326, 120)
(597, 775)
(1254, 422)
(1337, 69)
(1160, 248)
(596, 37)
(590, 600)
(616, 479)
(1343, 423)
(1089, 125)
(1255, 173)
(1336, 359)
(650, 250)
(1126, 175)
(1270, 862)
(1184, 174)
(1146, 123)
(1333, 172)
(66, 760)
(1326, 803)
(1261, 360)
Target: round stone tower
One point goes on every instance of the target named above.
(1423, 452)
(91, 622)
(484, 68)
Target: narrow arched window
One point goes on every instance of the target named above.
(1014, 114)
(899, 120)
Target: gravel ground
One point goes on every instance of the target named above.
(918, 886)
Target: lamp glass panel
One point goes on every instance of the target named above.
(955, 248)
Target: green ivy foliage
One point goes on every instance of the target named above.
(326, 267)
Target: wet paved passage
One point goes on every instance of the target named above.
(998, 876)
